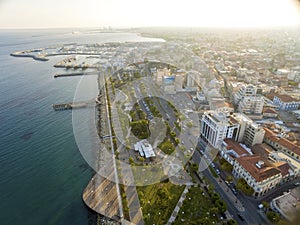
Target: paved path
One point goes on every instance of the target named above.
(135, 212)
(178, 205)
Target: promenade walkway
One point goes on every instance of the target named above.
(135, 212)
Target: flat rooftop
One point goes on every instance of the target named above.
(288, 204)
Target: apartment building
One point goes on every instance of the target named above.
(248, 101)
(286, 102)
(254, 134)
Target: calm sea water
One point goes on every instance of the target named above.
(42, 173)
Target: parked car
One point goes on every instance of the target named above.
(260, 206)
(241, 217)
(234, 191)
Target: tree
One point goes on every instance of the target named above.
(244, 187)
(189, 124)
(229, 178)
(221, 205)
(131, 160)
(215, 196)
(231, 222)
(194, 167)
(266, 205)
(273, 216)
(173, 134)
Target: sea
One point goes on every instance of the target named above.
(42, 172)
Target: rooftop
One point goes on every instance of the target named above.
(261, 173)
(289, 204)
(282, 141)
(283, 98)
(235, 146)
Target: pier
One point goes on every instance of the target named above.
(73, 105)
(74, 74)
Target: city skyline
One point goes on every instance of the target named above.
(117, 13)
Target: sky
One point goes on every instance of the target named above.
(143, 13)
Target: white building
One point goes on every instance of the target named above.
(254, 134)
(286, 102)
(191, 80)
(251, 105)
(215, 126)
(179, 82)
(244, 91)
(144, 148)
(247, 100)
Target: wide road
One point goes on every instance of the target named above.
(245, 206)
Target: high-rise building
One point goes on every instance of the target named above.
(217, 125)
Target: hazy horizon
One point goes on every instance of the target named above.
(30, 14)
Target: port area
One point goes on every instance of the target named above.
(35, 54)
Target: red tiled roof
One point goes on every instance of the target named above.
(283, 167)
(261, 149)
(282, 141)
(233, 145)
(289, 145)
(269, 110)
(286, 98)
(259, 174)
(283, 98)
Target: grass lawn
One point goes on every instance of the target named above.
(197, 208)
(158, 201)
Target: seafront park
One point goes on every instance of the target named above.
(193, 129)
(145, 123)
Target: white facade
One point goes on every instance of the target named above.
(247, 100)
(215, 126)
(286, 103)
(254, 134)
(244, 91)
(251, 105)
